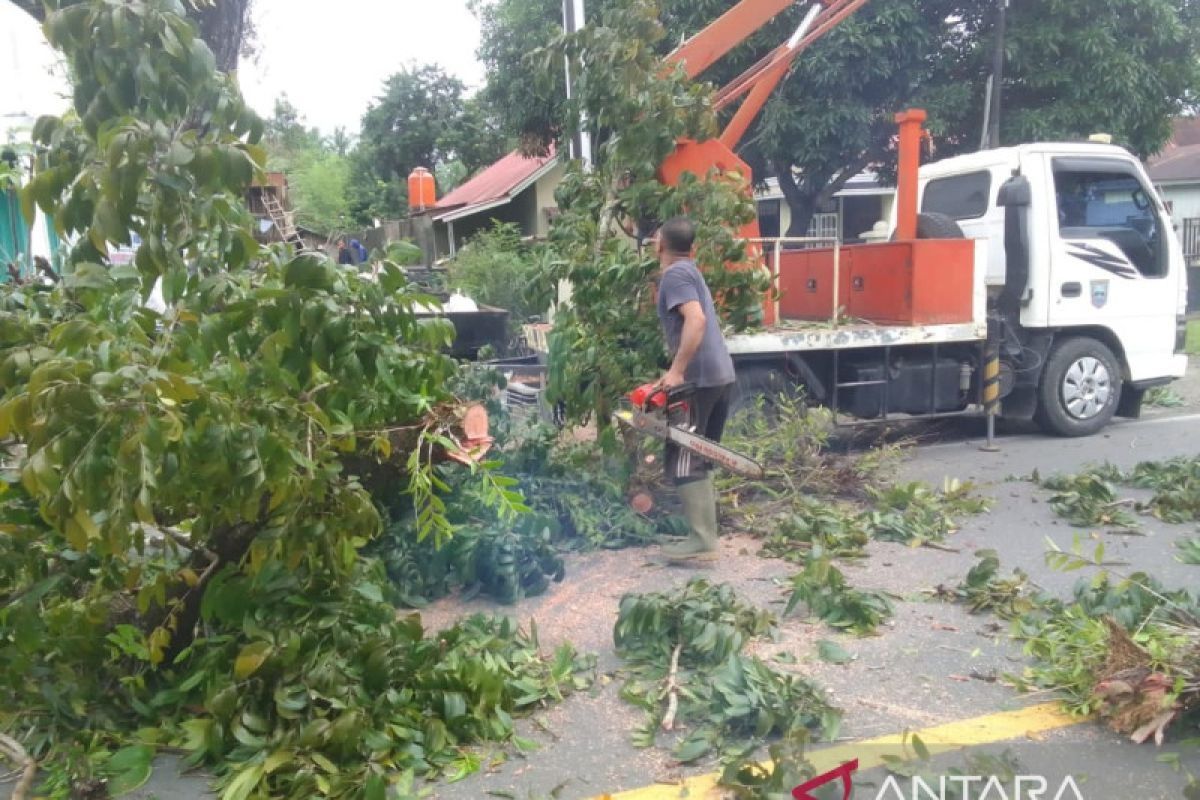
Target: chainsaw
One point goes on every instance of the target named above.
(651, 412)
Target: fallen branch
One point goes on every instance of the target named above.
(668, 723)
(13, 750)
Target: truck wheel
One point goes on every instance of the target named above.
(1080, 389)
(757, 382)
(932, 225)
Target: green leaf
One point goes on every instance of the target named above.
(919, 748)
(251, 657)
(370, 591)
(833, 653)
(129, 769)
(376, 788)
(243, 783)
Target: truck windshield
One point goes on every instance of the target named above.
(1111, 205)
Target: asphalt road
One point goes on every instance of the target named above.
(918, 673)
(923, 670)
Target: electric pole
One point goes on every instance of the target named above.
(997, 83)
(574, 18)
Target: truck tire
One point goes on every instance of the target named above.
(1080, 388)
(932, 225)
(763, 382)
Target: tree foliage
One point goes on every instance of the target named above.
(223, 24)
(184, 499)
(1125, 67)
(607, 338)
(422, 119)
(317, 168)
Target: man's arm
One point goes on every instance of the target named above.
(689, 342)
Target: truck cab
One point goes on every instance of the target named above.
(1088, 261)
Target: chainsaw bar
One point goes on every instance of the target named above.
(656, 426)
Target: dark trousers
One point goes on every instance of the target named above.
(706, 413)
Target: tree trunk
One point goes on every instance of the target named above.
(222, 26)
(806, 196)
(801, 200)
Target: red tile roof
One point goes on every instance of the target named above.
(498, 182)
(1180, 159)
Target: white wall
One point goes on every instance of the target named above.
(1184, 199)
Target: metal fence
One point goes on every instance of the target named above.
(1190, 234)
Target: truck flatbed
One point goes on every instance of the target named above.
(795, 336)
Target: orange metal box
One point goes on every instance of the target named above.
(922, 282)
(806, 283)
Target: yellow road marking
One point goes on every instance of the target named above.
(988, 729)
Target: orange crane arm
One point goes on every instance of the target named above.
(763, 78)
(725, 33)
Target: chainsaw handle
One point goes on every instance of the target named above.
(681, 391)
(650, 396)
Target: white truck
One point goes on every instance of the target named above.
(1078, 289)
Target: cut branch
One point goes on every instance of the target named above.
(13, 750)
(668, 723)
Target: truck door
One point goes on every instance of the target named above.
(1110, 259)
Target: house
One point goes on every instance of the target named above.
(1176, 173)
(268, 201)
(852, 212)
(516, 189)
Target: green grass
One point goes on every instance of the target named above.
(1192, 347)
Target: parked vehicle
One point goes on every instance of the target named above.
(1058, 261)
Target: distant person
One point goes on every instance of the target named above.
(344, 254)
(359, 252)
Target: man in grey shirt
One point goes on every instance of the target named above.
(700, 357)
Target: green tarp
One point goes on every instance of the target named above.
(14, 235)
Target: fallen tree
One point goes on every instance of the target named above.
(183, 502)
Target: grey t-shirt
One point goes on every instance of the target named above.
(682, 283)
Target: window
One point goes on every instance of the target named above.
(1107, 201)
(824, 226)
(960, 196)
(768, 218)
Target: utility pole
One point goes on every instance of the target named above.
(997, 82)
(574, 18)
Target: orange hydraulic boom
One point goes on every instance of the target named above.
(710, 45)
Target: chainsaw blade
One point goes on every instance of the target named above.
(657, 426)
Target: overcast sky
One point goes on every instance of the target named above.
(331, 57)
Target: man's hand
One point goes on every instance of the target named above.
(671, 379)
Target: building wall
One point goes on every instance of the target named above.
(1184, 200)
(545, 198)
(527, 211)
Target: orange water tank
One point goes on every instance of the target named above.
(422, 191)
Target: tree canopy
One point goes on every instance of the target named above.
(317, 169)
(422, 119)
(224, 26)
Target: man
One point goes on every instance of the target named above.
(360, 252)
(344, 256)
(700, 357)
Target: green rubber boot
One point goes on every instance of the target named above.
(700, 508)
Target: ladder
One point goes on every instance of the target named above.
(284, 220)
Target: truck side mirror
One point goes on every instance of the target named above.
(1015, 192)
